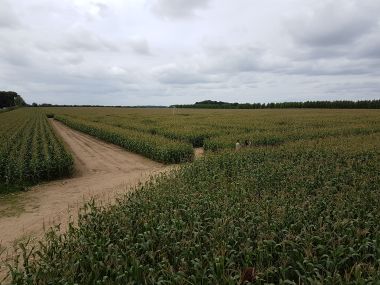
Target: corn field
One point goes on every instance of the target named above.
(217, 130)
(303, 211)
(29, 150)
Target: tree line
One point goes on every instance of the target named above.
(344, 104)
(10, 99)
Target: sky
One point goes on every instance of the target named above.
(163, 52)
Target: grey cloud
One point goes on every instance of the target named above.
(180, 75)
(240, 59)
(335, 22)
(83, 40)
(182, 78)
(37, 73)
(227, 59)
(219, 65)
(356, 90)
(99, 9)
(369, 47)
(372, 51)
(237, 60)
(321, 68)
(8, 18)
(140, 46)
(15, 56)
(38, 56)
(83, 87)
(335, 38)
(176, 9)
(73, 59)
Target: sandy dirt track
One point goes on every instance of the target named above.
(102, 171)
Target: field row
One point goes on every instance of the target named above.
(29, 150)
(155, 147)
(303, 213)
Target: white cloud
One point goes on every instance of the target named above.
(117, 70)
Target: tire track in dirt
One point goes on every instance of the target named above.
(102, 171)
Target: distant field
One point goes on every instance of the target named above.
(300, 206)
(219, 129)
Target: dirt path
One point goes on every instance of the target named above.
(103, 171)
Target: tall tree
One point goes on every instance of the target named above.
(10, 99)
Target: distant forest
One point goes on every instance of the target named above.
(209, 104)
(10, 99)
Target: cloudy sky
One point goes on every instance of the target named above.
(161, 52)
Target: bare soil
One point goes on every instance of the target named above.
(102, 171)
(199, 152)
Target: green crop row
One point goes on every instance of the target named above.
(303, 213)
(186, 133)
(275, 138)
(152, 146)
(29, 150)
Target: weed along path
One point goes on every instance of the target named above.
(102, 171)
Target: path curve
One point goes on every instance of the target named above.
(102, 171)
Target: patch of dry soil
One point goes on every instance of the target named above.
(199, 152)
